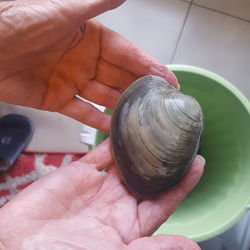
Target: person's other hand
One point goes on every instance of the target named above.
(81, 207)
(51, 50)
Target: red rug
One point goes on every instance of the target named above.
(28, 168)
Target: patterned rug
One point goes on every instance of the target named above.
(28, 168)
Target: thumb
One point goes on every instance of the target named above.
(88, 9)
(46, 21)
(67, 11)
(163, 242)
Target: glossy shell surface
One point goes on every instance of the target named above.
(155, 135)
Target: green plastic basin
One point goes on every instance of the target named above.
(222, 195)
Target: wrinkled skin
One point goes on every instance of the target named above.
(80, 207)
(51, 51)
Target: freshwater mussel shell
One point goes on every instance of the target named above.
(155, 135)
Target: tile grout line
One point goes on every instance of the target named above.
(186, 1)
(180, 34)
(221, 12)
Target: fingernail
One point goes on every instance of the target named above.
(178, 85)
(201, 160)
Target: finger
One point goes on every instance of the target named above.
(87, 114)
(113, 75)
(101, 157)
(127, 56)
(166, 242)
(153, 212)
(101, 94)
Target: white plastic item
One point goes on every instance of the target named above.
(87, 135)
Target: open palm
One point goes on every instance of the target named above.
(81, 207)
(51, 50)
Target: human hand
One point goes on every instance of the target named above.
(80, 207)
(52, 51)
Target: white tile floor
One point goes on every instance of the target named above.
(155, 26)
(217, 42)
(239, 9)
(53, 132)
(211, 34)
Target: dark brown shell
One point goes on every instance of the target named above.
(155, 135)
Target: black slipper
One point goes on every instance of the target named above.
(15, 133)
